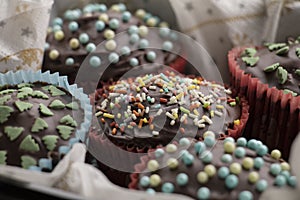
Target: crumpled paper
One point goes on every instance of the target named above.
(23, 25)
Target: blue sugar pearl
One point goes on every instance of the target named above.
(182, 179)
(188, 159)
(114, 23)
(95, 61)
(150, 191)
(151, 56)
(245, 195)
(88, 9)
(147, 16)
(223, 172)
(184, 142)
(113, 57)
(242, 142)
(70, 61)
(100, 25)
(183, 152)
(126, 16)
(203, 193)
(35, 168)
(125, 51)
(167, 187)
(56, 28)
(209, 141)
(63, 150)
(275, 169)
(262, 150)
(84, 38)
(286, 174)
(47, 46)
(226, 158)
(45, 163)
(167, 46)
(159, 153)
(206, 156)
(258, 162)
(102, 8)
(229, 139)
(199, 147)
(134, 38)
(252, 144)
(73, 26)
(173, 36)
(231, 181)
(122, 7)
(90, 47)
(144, 43)
(134, 62)
(164, 31)
(57, 21)
(280, 180)
(133, 29)
(261, 185)
(145, 181)
(240, 152)
(292, 181)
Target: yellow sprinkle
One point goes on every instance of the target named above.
(178, 96)
(138, 89)
(130, 127)
(111, 87)
(141, 82)
(119, 115)
(236, 122)
(221, 107)
(145, 120)
(191, 87)
(212, 113)
(195, 81)
(196, 112)
(175, 115)
(98, 113)
(107, 115)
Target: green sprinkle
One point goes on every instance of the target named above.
(7, 91)
(4, 99)
(232, 103)
(55, 91)
(22, 106)
(5, 112)
(287, 91)
(282, 75)
(65, 131)
(45, 111)
(283, 50)
(298, 52)
(57, 104)
(24, 92)
(29, 144)
(40, 94)
(73, 105)
(250, 52)
(38, 125)
(13, 132)
(68, 120)
(50, 141)
(272, 68)
(275, 46)
(27, 161)
(251, 61)
(206, 104)
(183, 109)
(21, 85)
(3, 157)
(297, 72)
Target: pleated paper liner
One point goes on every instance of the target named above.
(274, 116)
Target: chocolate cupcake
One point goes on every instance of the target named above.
(269, 77)
(137, 114)
(41, 118)
(77, 34)
(213, 169)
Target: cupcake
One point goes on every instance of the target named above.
(76, 35)
(42, 116)
(269, 76)
(137, 114)
(213, 169)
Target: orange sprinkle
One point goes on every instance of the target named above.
(112, 124)
(104, 96)
(136, 113)
(121, 91)
(150, 120)
(102, 120)
(163, 100)
(182, 130)
(132, 99)
(122, 129)
(114, 131)
(118, 105)
(117, 125)
(140, 123)
(151, 127)
(141, 106)
(159, 84)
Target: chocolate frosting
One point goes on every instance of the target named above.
(289, 61)
(143, 136)
(26, 120)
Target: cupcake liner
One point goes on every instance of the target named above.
(28, 76)
(274, 116)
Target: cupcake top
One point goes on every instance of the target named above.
(77, 34)
(213, 169)
(153, 109)
(276, 64)
(37, 124)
